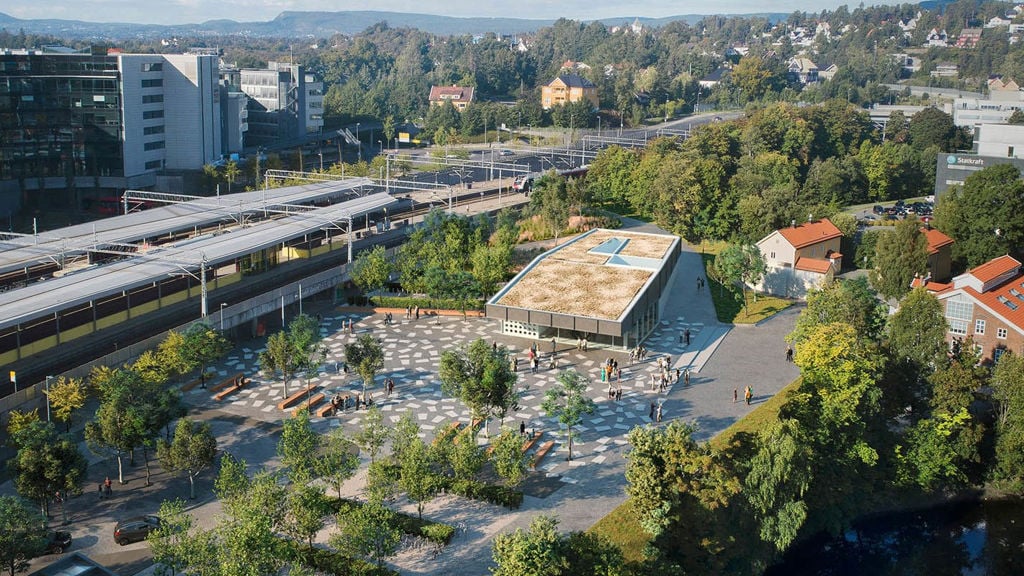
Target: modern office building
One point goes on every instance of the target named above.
(286, 103)
(102, 121)
(993, 144)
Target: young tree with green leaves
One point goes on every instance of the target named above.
(306, 508)
(280, 356)
(781, 471)
(366, 357)
(371, 269)
(18, 421)
(337, 459)
(298, 447)
(173, 542)
(901, 255)
(851, 302)
(508, 458)
(567, 401)
(466, 457)
(537, 551)
(369, 531)
(740, 265)
(204, 345)
(66, 395)
(374, 434)
(22, 536)
(120, 422)
(416, 475)
(191, 451)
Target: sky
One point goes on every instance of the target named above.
(193, 11)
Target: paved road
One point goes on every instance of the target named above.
(579, 492)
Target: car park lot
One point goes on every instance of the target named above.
(899, 210)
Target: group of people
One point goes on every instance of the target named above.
(638, 354)
(582, 344)
(611, 369)
(412, 313)
(615, 393)
(388, 320)
(655, 413)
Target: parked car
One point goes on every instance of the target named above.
(135, 529)
(57, 542)
(878, 209)
(506, 153)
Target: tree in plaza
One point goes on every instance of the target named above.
(204, 345)
(151, 368)
(985, 216)
(247, 541)
(174, 353)
(374, 434)
(901, 255)
(369, 531)
(567, 401)
(232, 482)
(480, 375)
(416, 476)
(45, 464)
(466, 457)
(366, 357)
(191, 451)
(21, 534)
(65, 396)
(508, 458)
(457, 285)
(371, 269)
(404, 434)
(739, 266)
(337, 459)
(1008, 392)
(537, 551)
(280, 356)
(298, 447)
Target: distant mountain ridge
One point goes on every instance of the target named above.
(295, 24)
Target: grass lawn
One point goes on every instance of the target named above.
(728, 306)
(621, 525)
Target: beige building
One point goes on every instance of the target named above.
(568, 88)
(800, 257)
(459, 96)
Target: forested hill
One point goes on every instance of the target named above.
(296, 24)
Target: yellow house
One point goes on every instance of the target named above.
(568, 88)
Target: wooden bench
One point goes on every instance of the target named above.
(544, 449)
(313, 401)
(228, 382)
(452, 429)
(232, 389)
(295, 398)
(529, 443)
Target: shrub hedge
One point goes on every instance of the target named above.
(330, 561)
(436, 532)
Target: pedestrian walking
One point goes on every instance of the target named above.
(522, 428)
(585, 344)
(553, 345)
(748, 394)
(735, 395)
(651, 414)
(659, 413)
(618, 394)
(416, 313)
(686, 376)
(99, 490)
(686, 336)
(789, 353)
(107, 487)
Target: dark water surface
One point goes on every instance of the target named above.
(960, 539)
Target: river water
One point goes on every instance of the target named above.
(983, 538)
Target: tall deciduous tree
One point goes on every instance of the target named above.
(366, 357)
(740, 265)
(985, 216)
(416, 476)
(298, 447)
(900, 256)
(779, 477)
(45, 464)
(537, 551)
(204, 345)
(851, 302)
(374, 434)
(508, 458)
(337, 460)
(917, 331)
(568, 402)
(191, 451)
(120, 423)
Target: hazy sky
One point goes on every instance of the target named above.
(187, 11)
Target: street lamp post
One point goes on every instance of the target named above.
(222, 305)
(48, 398)
(381, 144)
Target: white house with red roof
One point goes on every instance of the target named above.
(459, 96)
(800, 257)
(987, 304)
